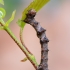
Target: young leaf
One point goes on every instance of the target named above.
(25, 59)
(2, 12)
(2, 2)
(36, 5)
(11, 19)
(19, 23)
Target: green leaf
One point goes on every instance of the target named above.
(19, 22)
(2, 12)
(2, 2)
(36, 5)
(11, 19)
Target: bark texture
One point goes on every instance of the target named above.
(42, 36)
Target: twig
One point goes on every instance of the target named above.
(21, 39)
(42, 36)
(7, 29)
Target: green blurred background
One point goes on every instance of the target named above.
(11, 5)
